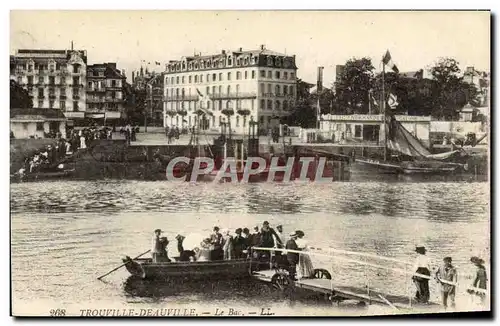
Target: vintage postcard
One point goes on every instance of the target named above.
(249, 163)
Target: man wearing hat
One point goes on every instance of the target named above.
(447, 273)
(157, 247)
(481, 278)
(422, 266)
(292, 257)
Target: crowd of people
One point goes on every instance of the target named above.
(224, 245)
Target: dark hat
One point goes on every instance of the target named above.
(238, 230)
(265, 223)
(158, 231)
(420, 250)
(447, 259)
(279, 226)
(300, 233)
(216, 228)
(293, 234)
(246, 230)
(476, 260)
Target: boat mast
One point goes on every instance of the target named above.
(383, 110)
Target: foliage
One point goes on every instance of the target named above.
(228, 112)
(244, 112)
(353, 86)
(19, 97)
(135, 104)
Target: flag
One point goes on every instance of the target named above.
(392, 101)
(387, 60)
(199, 93)
(205, 111)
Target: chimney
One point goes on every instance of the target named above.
(262, 47)
(123, 73)
(241, 49)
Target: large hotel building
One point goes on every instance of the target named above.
(260, 81)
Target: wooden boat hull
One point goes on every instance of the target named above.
(380, 167)
(38, 176)
(407, 167)
(208, 270)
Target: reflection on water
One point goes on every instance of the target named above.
(79, 230)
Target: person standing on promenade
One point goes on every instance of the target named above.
(422, 266)
(447, 273)
(481, 278)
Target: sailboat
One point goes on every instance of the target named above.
(404, 153)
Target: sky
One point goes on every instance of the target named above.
(317, 38)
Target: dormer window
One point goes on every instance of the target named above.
(269, 61)
(229, 61)
(245, 61)
(190, 66)
(196, 65)
(183, 65)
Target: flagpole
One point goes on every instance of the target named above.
(383, 110)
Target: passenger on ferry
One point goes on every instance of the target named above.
(422, 266)
(292, 257)
(204, 253)
(184, 255)
(217, 243)
(306, 269)
(157, 247)
(279, 258)
(254, 240)
(239, 244)
(447, 273)
(267, 236)
(227, 245)
(163, 257)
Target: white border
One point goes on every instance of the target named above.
(186, 4)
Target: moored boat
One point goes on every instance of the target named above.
(145, 268)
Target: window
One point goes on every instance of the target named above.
(253, 104)
(285, 89)
(62, 105)
(269, 88)
(261, 119)
(75, 105)
(262, 89)
(113, 83)
(40, 92)
(208, 90)
(237, 88)
(76, 68)
(290, 88)
(277, 74)
(262, 104)
(269, 104)
(40, 103)
(228, 76)
(277, 90)
(196, 78)
(238, 75)
(220, 105)
(229, 61)
(39, 126)
(208, 78)
(270, 74)
(357, 131)
(237, 121)
(208, 105)
(190, 80)
(220, 76)
(76, 81)
(90, 85)
(262, 74)
(213, 89)
(292, 75)
(285, 105)
(285, 75)
(40, 79)
(63, 81)
(52, 80)
(228, 89)
(213, 121)
(278, 105)
(177, 80)
(30, 80)
(201, 78)
(214, 77)
(253, 74)
(268, 120)
(183, 79)
(51, 104)
(220, 90)
(172, 80)
(244, 121)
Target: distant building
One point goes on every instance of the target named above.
(481, 80)
(155, 89)
(260, 81)
(105, 92)
(55, 79)
(36, 122)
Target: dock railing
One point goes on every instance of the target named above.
(334, 254)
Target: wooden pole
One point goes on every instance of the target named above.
(111, 271)
(383, 110)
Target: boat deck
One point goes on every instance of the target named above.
(326, 286)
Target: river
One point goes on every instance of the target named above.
(64, 234)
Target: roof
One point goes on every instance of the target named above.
(412, 74)
(46, 114)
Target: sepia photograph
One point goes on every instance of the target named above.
(250, 163)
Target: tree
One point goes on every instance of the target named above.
(353, 86)
(135, 104)
(19, 97)
(303, 114)
(228, 113)
(451, 93)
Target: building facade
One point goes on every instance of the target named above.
(155, 90)
(105, 92)
(55, 79)
(257, 85)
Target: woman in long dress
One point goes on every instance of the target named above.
(305, 268)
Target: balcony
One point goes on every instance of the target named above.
(52, 96)
(76, 85)
(113, 100)
(95, 100)
(62, 97)
(40, 96)
(226, 96)
(182, 98)
(279, 95)
(76, 97)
